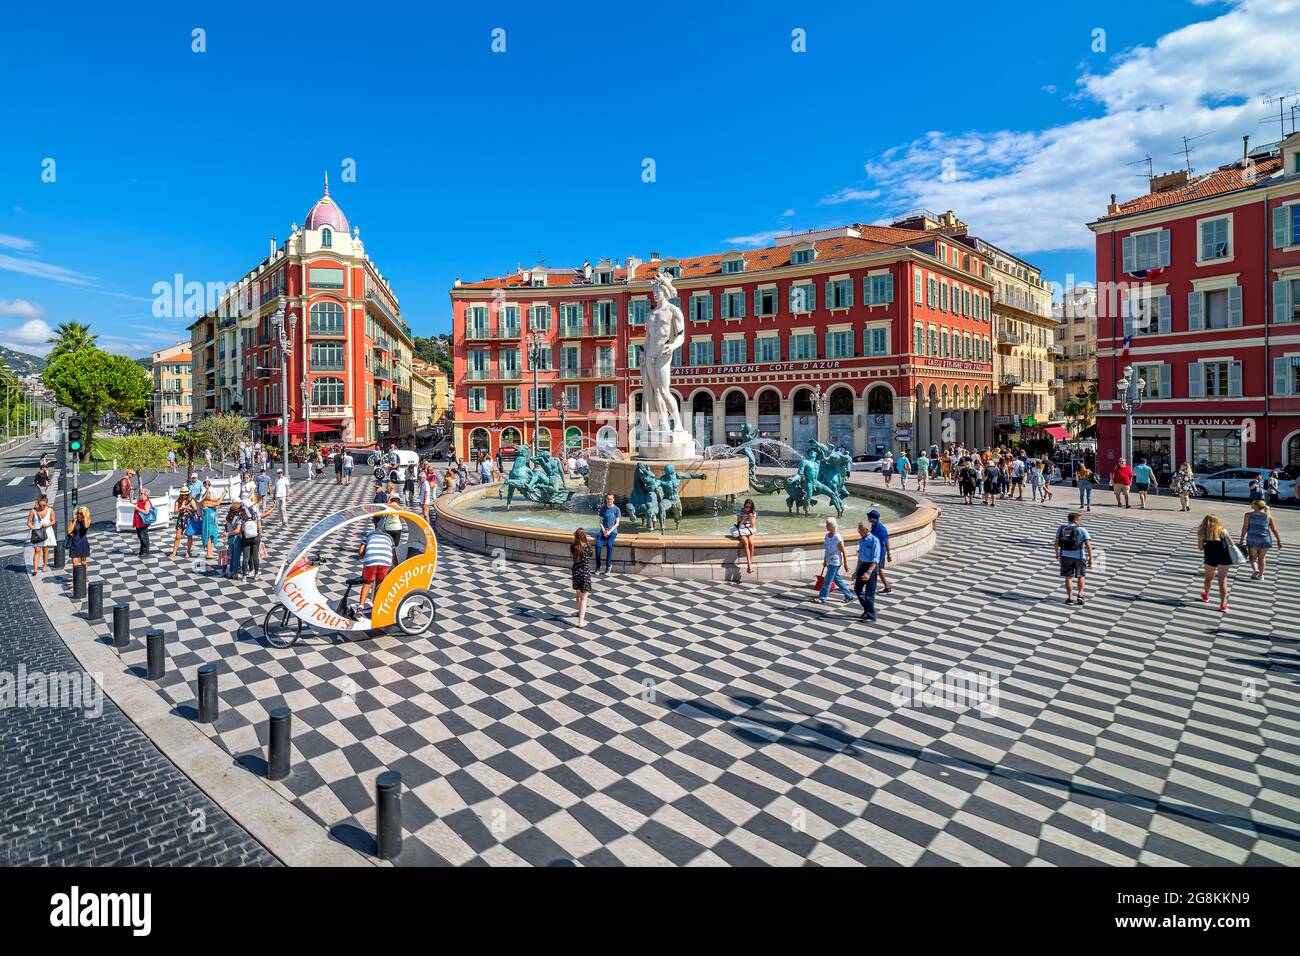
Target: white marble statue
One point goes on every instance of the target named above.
(665, 328)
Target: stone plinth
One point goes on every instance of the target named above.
(660, 445)
(723, 476)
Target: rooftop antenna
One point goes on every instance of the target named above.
(1188, 149)
(1280, 100)
(1150, 168)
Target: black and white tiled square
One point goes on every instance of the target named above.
(697, 724)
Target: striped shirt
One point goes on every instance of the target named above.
(379, 550)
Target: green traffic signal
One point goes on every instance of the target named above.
(74, 446)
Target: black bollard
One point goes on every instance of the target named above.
(59, 559)
(208, 705)
(277, 759)
(388, 814)
(95, 604)
(157, 654)
(121, 625)
(78, 582)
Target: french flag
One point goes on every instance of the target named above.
(1127, 339)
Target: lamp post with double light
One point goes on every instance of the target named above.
(535, 344)
(284, 336)
(1130, 389)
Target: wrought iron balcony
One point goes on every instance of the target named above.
(1008, 338)
(1010, 381)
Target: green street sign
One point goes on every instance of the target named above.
(1031, 421)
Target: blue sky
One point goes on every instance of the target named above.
(469, 161)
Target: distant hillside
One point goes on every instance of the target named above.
(20, 363)
(145, 363)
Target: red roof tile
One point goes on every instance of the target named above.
(1226, 179)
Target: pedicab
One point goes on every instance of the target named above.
(402, 599)
(383, 463)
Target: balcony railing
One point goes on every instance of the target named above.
(571, 331)
(329, 367)
(1010, 380)
(382, 371)
(604, 371)
(604, 329)
(1058, 383)
(1058, 350)
(575, 373)
(331, 411)
(478, 374)
(1008, 338)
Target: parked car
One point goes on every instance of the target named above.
(1235, 483)
(868, 462)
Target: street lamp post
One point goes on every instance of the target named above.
(534, 352)
(306, 409)
(562, 406)
(1130, 389)
(286, 349)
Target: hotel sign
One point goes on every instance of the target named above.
(953, 363)
(754, 369)
(1194, 422)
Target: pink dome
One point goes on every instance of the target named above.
(326, 212)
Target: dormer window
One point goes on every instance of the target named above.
(537, 282)
(803, 256)
(733, 264)
(674, 271)
(604, 278)
(326, 238)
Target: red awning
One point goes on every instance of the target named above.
(1057, 432)
(300, 428)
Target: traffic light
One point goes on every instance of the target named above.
(74, 433)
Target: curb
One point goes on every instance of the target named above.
(264, 812)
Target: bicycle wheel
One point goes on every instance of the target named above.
(281, 628)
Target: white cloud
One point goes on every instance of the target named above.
(756, 239)
(33, 333)
(16, 242)
(44, 270)
(789, 213)
(21, 309)
(849, 194)
(1034, 191)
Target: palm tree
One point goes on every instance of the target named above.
(70, 337)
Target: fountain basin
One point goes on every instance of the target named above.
(722, 476)
(705, 557)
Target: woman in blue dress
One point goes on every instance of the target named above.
(1258, 534)
(211, 501)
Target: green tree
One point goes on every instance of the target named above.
(94, 382)
(190, 445)
(70, 337)
(223, 433)
(142, 451)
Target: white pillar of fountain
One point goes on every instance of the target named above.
(824, 420)
(787, 420)
(719, 422)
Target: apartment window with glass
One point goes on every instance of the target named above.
(539, 399)
(508, 321)
(918, 340)
(943, 296)
(733, 305)
(879, 289)
(634, 353)
(637, 310)
(839, 344)
(875, 341)
(543, 358)
(476, 322)
(477, 400)
(839, 293)
(1215, 379)
(571, 318)
(326, 318)
(1286, 225)
(702, 352)
(803, 297)
(733, 265)
(539, 318)
(1148, 250)
(733, 351)
(327, 356)
(605, 361)
(934, 342)
(1157, 378)
(1286, 375)
(510, 398)
(765, 301)
(1214, 238)
(801, 256)
(508, 359)
(476, 364)
(571, 397)
(1146, 315)
(1215, 309)
(932, 292)
(768, 349)
(1286, 300)
(602, 318)
(569, 355)
(606, 397)
(803, 347)
(701, 307)
(943, 344)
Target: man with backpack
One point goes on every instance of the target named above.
(1072, 541)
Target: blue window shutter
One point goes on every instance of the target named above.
(848, 292)
(1234, 379)
(1165, 385)
(1281, 307)
(812, 296)
(830, 298)
(1281, 375)
(1279, 227)
(1195, 381)
(1130, 256)
(1162, 247)
(1164, 314)
(889, 288)
(1195, 311)
(1234, 305)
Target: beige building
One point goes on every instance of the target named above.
(1077, 315)
(437, 380)
(173, 391)
(1025, 336)
(421, 403)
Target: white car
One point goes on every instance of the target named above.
(1235, 483)
(868, 462)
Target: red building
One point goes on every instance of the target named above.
(867, 336)
(1203, 274)
(349, 364)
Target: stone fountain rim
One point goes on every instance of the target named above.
(921, 516)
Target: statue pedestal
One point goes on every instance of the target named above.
(675, 446)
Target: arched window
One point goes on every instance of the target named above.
(543, 440)
(327, 391)
(510, 438)
(607, 437)
(479, 442)
(326, 238)
(327, 318)
(880, 401)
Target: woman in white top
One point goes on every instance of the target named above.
(40, 521)
(746, 525)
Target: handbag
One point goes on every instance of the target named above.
(38, 536)
(1235, 554)
(223, 557)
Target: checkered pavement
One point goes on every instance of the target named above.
(696, 723)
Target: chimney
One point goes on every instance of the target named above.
(633, 263)
(456, 285)
(273, 245)
(586, 268)
(1245, 149)
(1113, 208)
(1166, 181)
(654, 257)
